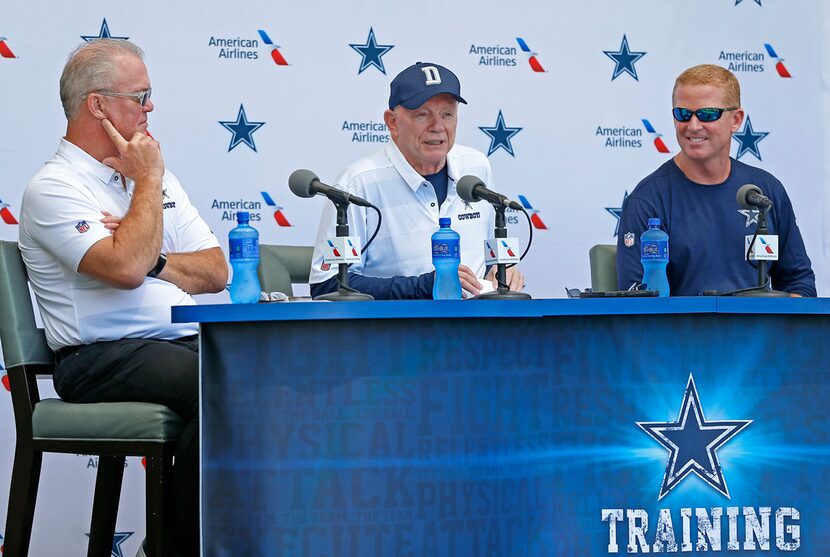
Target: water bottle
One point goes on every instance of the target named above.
(446, 257)
(244, 255)
(654, 255)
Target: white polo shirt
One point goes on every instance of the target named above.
(60, 219)
(410, 215)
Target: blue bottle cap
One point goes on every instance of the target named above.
(243, 217)
(444, 222)
(654, 221)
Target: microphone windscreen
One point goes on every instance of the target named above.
(300, 182)
(742, 194)
(465, 188)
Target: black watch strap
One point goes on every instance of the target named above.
(162, 261)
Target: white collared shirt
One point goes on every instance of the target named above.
(60, 219)
(410, 215)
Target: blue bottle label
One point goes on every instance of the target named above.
(445, 248)
(244, 248)
(654, 249)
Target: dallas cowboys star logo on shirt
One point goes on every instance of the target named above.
(751, 216)
(693, 442)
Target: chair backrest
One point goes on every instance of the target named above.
(280, 266)
(23, 343)
(603, 258)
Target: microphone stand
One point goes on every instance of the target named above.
(502, 293)
(764, 288)
(343, 293)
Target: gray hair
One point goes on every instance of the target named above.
(89, 68)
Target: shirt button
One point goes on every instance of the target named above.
(432, 204)
(116, 177)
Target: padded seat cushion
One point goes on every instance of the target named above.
(56, 419)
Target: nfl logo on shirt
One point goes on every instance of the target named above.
(82, 226)
(501, 250)
(341, 249)
(764, 248)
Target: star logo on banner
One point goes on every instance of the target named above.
(748, 139)
(117, 539)
(104, 33)
(693, 443)
(242, 130)
(372, 53)
(624, 60)
(756, 1)
(500, 135)
(617, 212)
(751, 216)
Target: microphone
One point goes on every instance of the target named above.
(305, 183)
(750, 196)
(471, 189)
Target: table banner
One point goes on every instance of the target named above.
(577, 435)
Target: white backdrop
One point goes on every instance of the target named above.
(579, 141)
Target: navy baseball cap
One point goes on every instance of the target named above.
(420, 82)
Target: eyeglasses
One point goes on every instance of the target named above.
(709, 114)
(141, 97)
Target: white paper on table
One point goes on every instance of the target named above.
(486, 286)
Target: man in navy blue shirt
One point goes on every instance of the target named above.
(694, 196)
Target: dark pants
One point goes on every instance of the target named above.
(146, 370)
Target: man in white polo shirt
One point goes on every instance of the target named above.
(111, 242)
(412, 181)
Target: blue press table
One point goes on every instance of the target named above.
(304, 311)
(542, 427)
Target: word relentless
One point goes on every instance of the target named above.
(756, 526)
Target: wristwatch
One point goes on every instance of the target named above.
(162, 261)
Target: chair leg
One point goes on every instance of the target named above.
(22, 499)
(159, 506)
(105, 505)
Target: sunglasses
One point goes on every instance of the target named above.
(141, 97)
(709, 114)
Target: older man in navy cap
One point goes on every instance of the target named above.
(413, 181)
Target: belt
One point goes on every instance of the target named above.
(64, 352)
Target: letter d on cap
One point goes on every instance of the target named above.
(432, 75)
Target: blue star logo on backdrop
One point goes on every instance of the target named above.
(500, 136)
(242, 130)
(617, 212)
(117, 539)
(104, 33)
(624, 60)
(372, 53)
(693, 443)
(750, 214)
(748, 139)
(756, 1)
